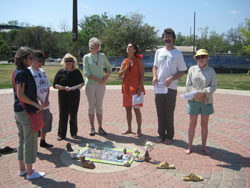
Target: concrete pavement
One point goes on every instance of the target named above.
(228, 140)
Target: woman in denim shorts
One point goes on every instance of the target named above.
(200, 78)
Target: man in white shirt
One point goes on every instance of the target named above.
(42, 85)
(168, 67)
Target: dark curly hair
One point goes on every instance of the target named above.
(169, 31)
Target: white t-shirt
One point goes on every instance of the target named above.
(168, 63)
(42, 84)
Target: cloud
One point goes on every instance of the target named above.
(86, 7)
(234, 12)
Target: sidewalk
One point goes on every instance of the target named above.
(228, 140)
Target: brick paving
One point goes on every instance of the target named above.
(228, 140)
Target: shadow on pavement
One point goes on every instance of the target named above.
(47, 182)
(233, 160)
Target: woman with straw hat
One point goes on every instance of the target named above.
(201, 78)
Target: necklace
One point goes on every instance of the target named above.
(96, 62)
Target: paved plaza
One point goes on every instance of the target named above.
(228, 140)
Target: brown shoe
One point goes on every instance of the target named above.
(87, 163)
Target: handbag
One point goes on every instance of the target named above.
(36, 119)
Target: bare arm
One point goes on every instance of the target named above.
(154, 81)
(124, 68)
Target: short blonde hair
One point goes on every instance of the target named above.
(69, 56)
(93, 41)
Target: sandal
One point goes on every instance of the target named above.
(165, 165)
(139, 159)
(192, 177)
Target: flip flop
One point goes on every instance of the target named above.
(165, 165)
(192, 177)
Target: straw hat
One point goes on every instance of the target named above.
(201, 52)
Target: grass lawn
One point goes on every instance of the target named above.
(225, 81)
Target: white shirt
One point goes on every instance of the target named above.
(168, 63)
(42, 84)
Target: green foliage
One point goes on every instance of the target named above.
(245, 33)
(5, 51)
(115, 33)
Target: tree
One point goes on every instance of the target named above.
(122, 30)
(245, 34)
(92, 26)
(234, 40)
(5, 51)
(182, 40)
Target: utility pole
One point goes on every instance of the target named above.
(74, 29)
(190, 40)
(194, 35)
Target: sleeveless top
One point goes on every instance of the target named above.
(130, 82)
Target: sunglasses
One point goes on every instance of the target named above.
(31, 57)
(69, 61)
(201, 57)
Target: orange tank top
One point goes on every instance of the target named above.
(131, 80)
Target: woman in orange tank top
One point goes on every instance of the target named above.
(132, 69)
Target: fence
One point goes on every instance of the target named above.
(215, 61)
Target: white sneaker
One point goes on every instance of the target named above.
(22, 173)
(35, 175)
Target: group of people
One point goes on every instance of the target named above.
(31, 94)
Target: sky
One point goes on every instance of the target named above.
(217, 15)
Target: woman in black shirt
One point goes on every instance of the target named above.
(68, 81)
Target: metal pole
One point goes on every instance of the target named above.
(194, 35)
(190, 43)
(74, 29)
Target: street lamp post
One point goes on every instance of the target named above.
(74, 29)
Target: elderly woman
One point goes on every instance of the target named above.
(25, 100)
(95, 82)
(200, 78)
(132, 69)
(68, 81)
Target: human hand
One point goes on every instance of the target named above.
(168, 81)
(39, 106)
(154, 81)
(200, 96)
(138, 91)
(101, 81)
(129, 63)
(67, 88)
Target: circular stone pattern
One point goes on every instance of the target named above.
(99, 167)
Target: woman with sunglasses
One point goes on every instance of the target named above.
(69, 82)
(95, 83)
(200, 78)
(25, 92)
(132, 69)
